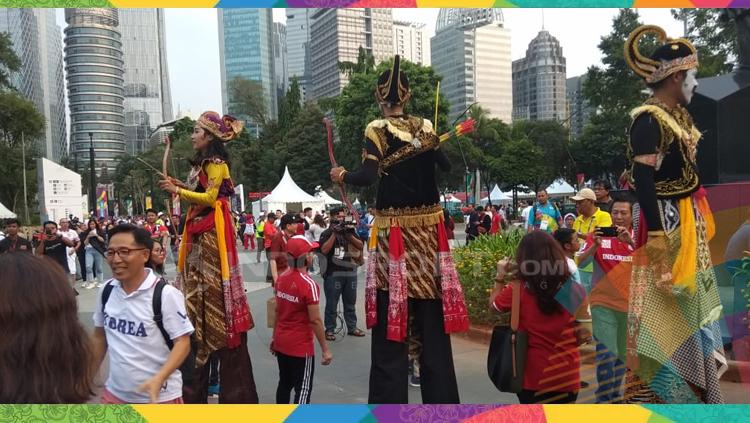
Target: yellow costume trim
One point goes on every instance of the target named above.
(221, 240)
(685, 266)
(372, 242)
(663, 116)
(183, 250)
(216, 173)
(408, 217)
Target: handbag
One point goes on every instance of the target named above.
(271, 312)
(506, 360)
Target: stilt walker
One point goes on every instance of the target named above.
(675, 352)
(411, 277)
(208, 269)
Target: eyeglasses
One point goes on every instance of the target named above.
(122, 252)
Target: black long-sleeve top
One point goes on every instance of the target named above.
(407, 183)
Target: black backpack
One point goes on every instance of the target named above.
(156, 304)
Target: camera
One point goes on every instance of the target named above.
(348, 225)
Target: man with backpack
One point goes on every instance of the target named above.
(142, 322)
(544, 215)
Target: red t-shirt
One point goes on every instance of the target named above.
(610, 282)
(552, 358)
(496, 220)
(268, 232)
(277, 251)
(157, 231)
(293, 336)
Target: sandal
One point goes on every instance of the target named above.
(356, 332)
(330, 336)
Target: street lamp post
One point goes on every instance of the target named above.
(92, 175)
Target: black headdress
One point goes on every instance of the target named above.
(393, 85)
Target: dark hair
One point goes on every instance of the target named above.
(141, 236)
(88, 225)
(624, 199)
(48, 223)
(318, 220)
(45, 353)
(550, 270)
(337, 210)
(11, 221)
(158, 268)
(271, 216)
(307, 209)
(215, 149)
(479, 208)
(605, 184)
(151, 211)
(564, 236)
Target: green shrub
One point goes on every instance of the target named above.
(477, 267)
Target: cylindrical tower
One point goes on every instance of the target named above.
(94, 65)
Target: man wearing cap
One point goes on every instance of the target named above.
(675, 348)
(277, 249)
(589, 218)
(297, 321)
(411, 277)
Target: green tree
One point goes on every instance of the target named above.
(714, 37)
(9, 61)
(306, 149)
(365, 63)
(247, 99)
(612, 90)
(521, 164)
(290, 106)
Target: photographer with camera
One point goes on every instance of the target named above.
(53, 245)
(342, 250)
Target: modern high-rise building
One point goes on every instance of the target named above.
(298, 23)
(280, 58)
(579, 111)
(539, 81)
(246, 51)
(37, 42)
(411, 42)
(471, 51)
(148, 98)
(94, 65)
(336, 36)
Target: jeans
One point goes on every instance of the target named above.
(610, 331)
(342, 285)
(93, 264)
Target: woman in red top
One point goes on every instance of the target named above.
(552, 358)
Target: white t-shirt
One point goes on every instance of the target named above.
(137, 350)
(73, 236)
(525, 216)
(315, 231)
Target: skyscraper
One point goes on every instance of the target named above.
(579, 111)
(148, 99)
(37, 42)
(336, 36)
(298, 47)
(471, 51)
(410, 41)
(280, 58)
(94, 63)
(246, 51)
(539, 81)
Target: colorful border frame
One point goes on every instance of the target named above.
(376, 3)
(373, 414)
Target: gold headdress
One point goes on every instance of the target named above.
(672, 56)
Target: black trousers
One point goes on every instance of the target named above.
(295, 373)
(235, 374)
(389, 370)
(531, 397)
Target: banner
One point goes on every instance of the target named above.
(102, 203)
(176, 207)
(148, 202)
(580, 178)
(129, 206)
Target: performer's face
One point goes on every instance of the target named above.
(689, 85)
(200, 138)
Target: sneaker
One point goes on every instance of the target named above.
(90, 285)
(414, 380)
(213, 390)
(99, 284)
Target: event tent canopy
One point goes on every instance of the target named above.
(451, 199)
(560, 188)
(497, 196)
(288, 196)
(5, 213)
(327, 199)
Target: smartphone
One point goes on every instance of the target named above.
(610, 231)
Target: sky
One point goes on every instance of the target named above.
(193, 43)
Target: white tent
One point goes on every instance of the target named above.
(5, 213)
(327, 199)
(560, 188)
(451, 199)
(497, 196)
(288, 196)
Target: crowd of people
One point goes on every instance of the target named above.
(631, 273)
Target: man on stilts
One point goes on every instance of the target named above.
(675, 352)
(411, 277)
